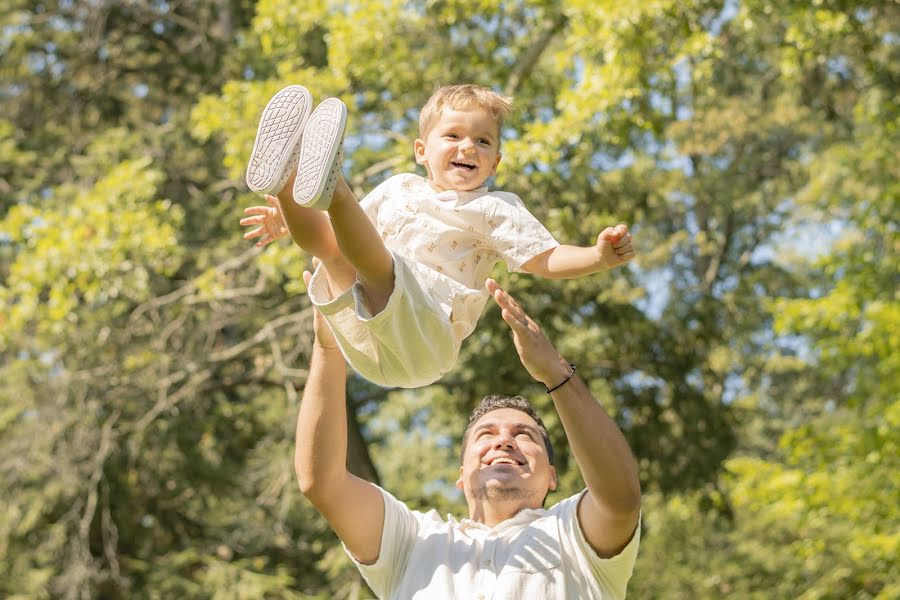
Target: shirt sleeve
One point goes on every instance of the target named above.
(397, 540)
(613, 573)
(515, 233)
(372, 202)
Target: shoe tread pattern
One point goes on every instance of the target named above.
(321, 155)
(278, 140)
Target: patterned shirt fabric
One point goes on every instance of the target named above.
(540, 554)
(459, 236)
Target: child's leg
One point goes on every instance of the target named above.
(311, 230)
(273, 165)
(318, 186)
(362, 246)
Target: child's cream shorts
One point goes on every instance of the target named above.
(409, 344)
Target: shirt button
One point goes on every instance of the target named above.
(487, 563)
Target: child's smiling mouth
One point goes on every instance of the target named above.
(462, 165)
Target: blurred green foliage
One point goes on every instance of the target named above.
(151, 362)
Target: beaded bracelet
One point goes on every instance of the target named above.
(572, 372)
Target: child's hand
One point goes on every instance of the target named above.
(269, 218)
(614, 246)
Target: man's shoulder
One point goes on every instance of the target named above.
(568, 503)
(425, 517)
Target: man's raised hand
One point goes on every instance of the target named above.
(539, 357)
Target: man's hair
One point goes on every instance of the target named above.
(497, 401)
(463, 97)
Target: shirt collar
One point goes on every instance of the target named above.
(524, 516)
(454, 193)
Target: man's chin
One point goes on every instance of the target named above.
(497, 490)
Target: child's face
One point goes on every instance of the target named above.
(461, 151)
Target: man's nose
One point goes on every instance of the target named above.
(504, 440)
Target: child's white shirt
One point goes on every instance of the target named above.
(458, 235)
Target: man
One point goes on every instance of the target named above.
(509, 547)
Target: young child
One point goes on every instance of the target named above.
(400, 277)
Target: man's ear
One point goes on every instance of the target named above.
(496, 162)
(419, 150)
(459, 482)
(553, 481)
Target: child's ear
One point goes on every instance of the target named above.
(496, 163)
(419, 150)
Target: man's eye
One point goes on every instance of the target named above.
(484, 141)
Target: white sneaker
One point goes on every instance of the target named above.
(321, 155)
(277, 144)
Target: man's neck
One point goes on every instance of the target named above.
(493, 512)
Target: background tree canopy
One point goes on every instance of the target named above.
(151, 360)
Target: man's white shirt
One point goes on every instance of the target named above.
(539, 553)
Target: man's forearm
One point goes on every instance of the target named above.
(600, 449)
(321, 443)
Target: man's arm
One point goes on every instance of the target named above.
(569, 262)
(352, 506)
(609, 512)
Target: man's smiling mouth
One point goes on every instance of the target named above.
(503, 460)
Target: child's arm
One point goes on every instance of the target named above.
(568, 262)
(270, 220)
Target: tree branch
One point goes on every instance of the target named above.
(529, 59)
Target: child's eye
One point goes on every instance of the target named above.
(452, 135)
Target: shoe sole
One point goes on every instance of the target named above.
(278, 137)
(321, 155)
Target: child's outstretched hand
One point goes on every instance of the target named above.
(614, 246)
(271, 223)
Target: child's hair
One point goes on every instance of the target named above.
(463, 97)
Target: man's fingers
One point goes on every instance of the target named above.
(510, 310)
(516, 322)
(491, 285)
(271, 200)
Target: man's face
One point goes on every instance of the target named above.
(461, 151)
(505, 459)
